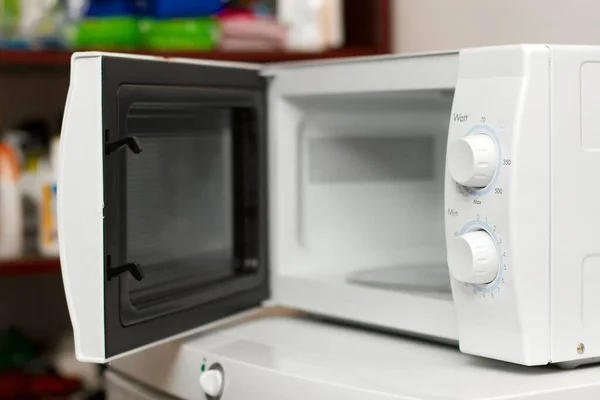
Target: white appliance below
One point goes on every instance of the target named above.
(295, 357)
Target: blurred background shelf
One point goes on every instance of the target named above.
(34, 82)
(366, 31)
(62, 58)
(29, 266)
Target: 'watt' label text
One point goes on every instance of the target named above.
(458, 117)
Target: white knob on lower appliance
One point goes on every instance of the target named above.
(211, 382)
(472, 160)
(473, 258)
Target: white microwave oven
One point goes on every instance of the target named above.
(449, 196)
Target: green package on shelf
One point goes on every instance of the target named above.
(109, 32)
(179, 34)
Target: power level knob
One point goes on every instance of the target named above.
(472, 160)
(473, 258)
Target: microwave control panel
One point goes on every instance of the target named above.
(496, 227)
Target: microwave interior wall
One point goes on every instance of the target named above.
(357, 184)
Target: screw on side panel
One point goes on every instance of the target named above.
(580, 348)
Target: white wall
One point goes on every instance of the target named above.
(428, 25)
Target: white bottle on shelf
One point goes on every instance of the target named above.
(313, 25)
(11, 206)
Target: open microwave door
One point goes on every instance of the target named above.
(161, 198)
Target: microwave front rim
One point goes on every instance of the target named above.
(80, 215)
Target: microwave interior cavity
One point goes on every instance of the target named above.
(362, 202)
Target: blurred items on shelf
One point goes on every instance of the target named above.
(242, 30)
(11, 207)
(48, 172)
(33, 24)
(115, 32)
(199, 25)
(178, 34)
(313, 25)
(28, 168)
(33, 371)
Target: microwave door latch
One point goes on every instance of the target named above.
(133, 268)
(131, 141)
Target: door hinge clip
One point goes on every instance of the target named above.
(131, 142)
(133, 268)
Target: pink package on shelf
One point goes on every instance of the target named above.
(259, 28)
(240, 44)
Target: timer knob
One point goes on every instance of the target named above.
(473, 258)
(472, 160)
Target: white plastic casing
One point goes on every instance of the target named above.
(504, 93)
(575, 200)
(297, 359)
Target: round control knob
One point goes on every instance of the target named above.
(473, 257)
(211, 382)
(472, 160)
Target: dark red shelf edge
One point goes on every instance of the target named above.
(29, 266)
(59, 58)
